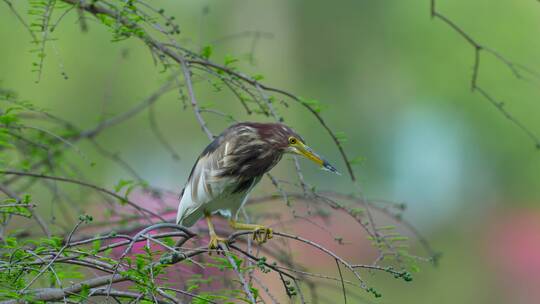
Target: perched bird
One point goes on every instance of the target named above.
(228, 169)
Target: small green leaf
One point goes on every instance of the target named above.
(121, 184)
(85, 291)
(357, 160)
(341, 136)
(207, 52)
(257, 77)
(230, 60)
(96, 245)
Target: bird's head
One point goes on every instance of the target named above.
(286, 140)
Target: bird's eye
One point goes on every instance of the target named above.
(292, 141)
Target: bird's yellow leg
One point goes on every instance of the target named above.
(214, 238)
(260, 233)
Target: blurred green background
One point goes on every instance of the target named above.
(394, 80)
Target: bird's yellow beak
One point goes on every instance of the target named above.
(307, 152)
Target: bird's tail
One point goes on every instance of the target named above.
(187, 219)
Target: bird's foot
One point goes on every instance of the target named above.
(213, 244)
(262, 233)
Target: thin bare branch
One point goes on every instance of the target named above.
(85, 184)
(513, 67)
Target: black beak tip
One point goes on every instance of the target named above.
(326, 166)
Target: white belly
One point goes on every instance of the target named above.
(225, 203)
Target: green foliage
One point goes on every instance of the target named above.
(357, 160)
(261, 265)
(10, 207)
(23, 264)
(41, 11)
(21, 143)
(197, 283)
(230, 60)
(120, 31)
(341, 137)
(290, 288)
(373, 291)
(258, 77)
(85, 218)
(207, 52)
(223, 263)
(356, 211)
(128, 186)
(313, 104)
